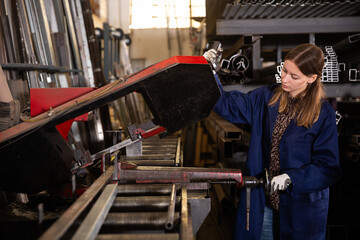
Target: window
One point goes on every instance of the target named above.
(165, 13)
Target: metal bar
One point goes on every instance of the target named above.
(59, 228)
(300, 12)
(160, 143)
(287, 26)
(186, 231)
(116, 154)
(147, 236)
(106, 50)
(29, 49)
(142, 174)
(145, 189)
(138, 219)
(72, 35)
(137, 203)
(93, 221)
(103, 161)
(155, 150)
(178, 161)
(45, 34)
(312, 11)
(83, 44)
(152, 162)
(114, 148)
(38, 67)
(169, 224)
(93, 43)
(150, 157)
(343, 11)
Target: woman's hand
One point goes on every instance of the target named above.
(280, 182)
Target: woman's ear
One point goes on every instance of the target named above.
(312, 78)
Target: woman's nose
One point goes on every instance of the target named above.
(284, 77)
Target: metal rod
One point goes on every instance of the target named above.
(178, 161)
(151, 236)
(169, 224)
(146, 162)
(113, 148)
(144, 189)
(39, 67)
(115, 177)
(248, 192)
(93, 221)
(140, 219)
(137, 203)
(59, 228)
(103, 162)
(182, 175)
(186, 231)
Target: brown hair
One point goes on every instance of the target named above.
(310, 60)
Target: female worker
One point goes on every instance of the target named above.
(294, 135)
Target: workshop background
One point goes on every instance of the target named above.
(101, 64)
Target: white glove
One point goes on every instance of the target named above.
(280, 182)
(210, 55)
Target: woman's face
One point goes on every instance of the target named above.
(293, 80)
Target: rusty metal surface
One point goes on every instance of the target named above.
(182, 175)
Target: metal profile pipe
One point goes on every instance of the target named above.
(138, 219)
(94, 220)
(153, 236)
(178, 152)
(59, 228)
(169, 224)
(145, 189)
(152, 162)
(159, 150)
(150, 157)
(160, 143)
(138, 203)
(186, 230)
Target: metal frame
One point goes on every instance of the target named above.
(287, 26)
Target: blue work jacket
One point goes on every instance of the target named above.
(310, 157)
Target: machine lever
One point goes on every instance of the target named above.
(251, 182)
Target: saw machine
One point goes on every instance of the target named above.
(146, 189)
(178, 91)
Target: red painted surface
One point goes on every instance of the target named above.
(151, 133)
(67, 193)
(41, 99)
(163, 65)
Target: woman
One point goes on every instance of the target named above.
(294, 135)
